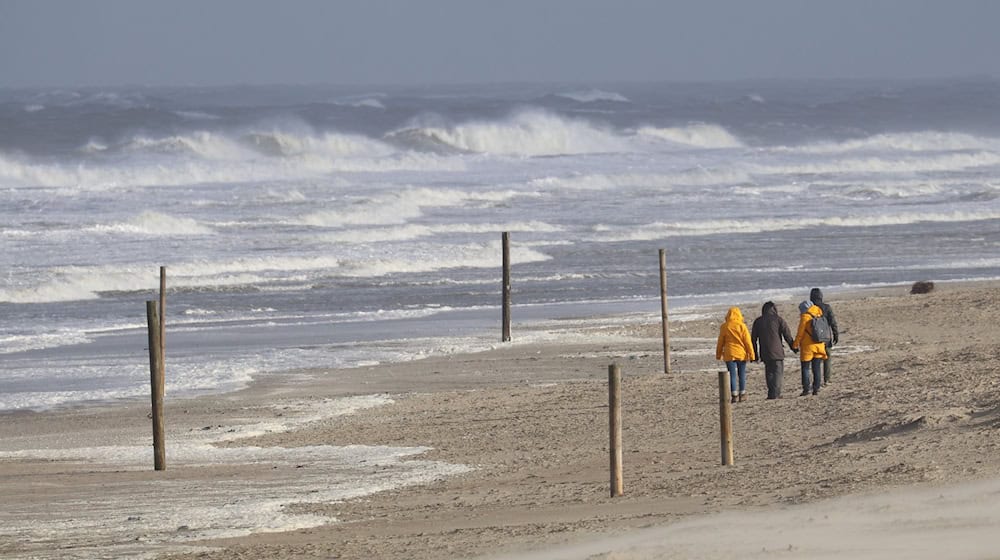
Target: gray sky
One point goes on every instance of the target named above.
(212, 42)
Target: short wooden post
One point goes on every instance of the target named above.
(663, 310)
(615, 424)
(725, 419)
(163, 326)
(156, 385)
(505, 336)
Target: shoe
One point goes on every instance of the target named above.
(804, 392)
(743, 397)
(815, 391)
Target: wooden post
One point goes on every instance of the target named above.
(615, 424)
(163, 326)
(505, 336)
(663, 310)
(725, 419)
(156, 385)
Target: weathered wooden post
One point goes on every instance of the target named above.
(663, 310)
(725, 419)
(163, 326)
(615, 424)
(505, 337)
(156, 385)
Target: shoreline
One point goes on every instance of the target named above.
(530, 420)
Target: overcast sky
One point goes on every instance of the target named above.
(214, 42)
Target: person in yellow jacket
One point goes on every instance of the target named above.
(811, 353)
(735, 348)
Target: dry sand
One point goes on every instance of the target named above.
(899, 456)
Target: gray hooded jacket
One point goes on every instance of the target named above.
(816, 295)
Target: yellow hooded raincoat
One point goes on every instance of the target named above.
(809, 348)
(734, 339)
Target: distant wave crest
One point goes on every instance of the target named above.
(594, 96)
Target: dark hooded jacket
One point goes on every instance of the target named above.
(816, 296)
(767, 332)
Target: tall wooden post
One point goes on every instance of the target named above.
(505, 337)
(663, 310)
(156, 385)
(725, 419)
(163, 326)
(615, 425)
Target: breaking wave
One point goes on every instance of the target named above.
(155, 223)
(70, 283)
(399, 207)
(530, 132)
(700, 135)
(660, 230)
(903, 142)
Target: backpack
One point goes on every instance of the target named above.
(820, 330)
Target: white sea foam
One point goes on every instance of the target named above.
(217, 508)
(22, 342)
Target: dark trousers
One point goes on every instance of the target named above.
(826, 366)
(774, 371)
(816, 365)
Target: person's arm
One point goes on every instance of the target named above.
(800, 336)
(751, 355)
(833, 326)
(786, 333)
(718, 345)
(755, 338)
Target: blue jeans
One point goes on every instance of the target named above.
(816, 365)
(737, 368)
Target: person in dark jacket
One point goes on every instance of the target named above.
(766, 334)
(816, 296)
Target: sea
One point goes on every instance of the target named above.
(306, 227)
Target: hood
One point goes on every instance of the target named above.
(805, 306)
(769, 309)
(734, 315)
(816, 295)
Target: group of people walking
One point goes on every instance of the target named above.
(765, 342)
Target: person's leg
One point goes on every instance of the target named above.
(779, 373)
(805, 378)
(769, 369)
(826, 366)
(817, 371)
(742, 367)
(731, 366)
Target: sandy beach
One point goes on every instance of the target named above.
(504, 453)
